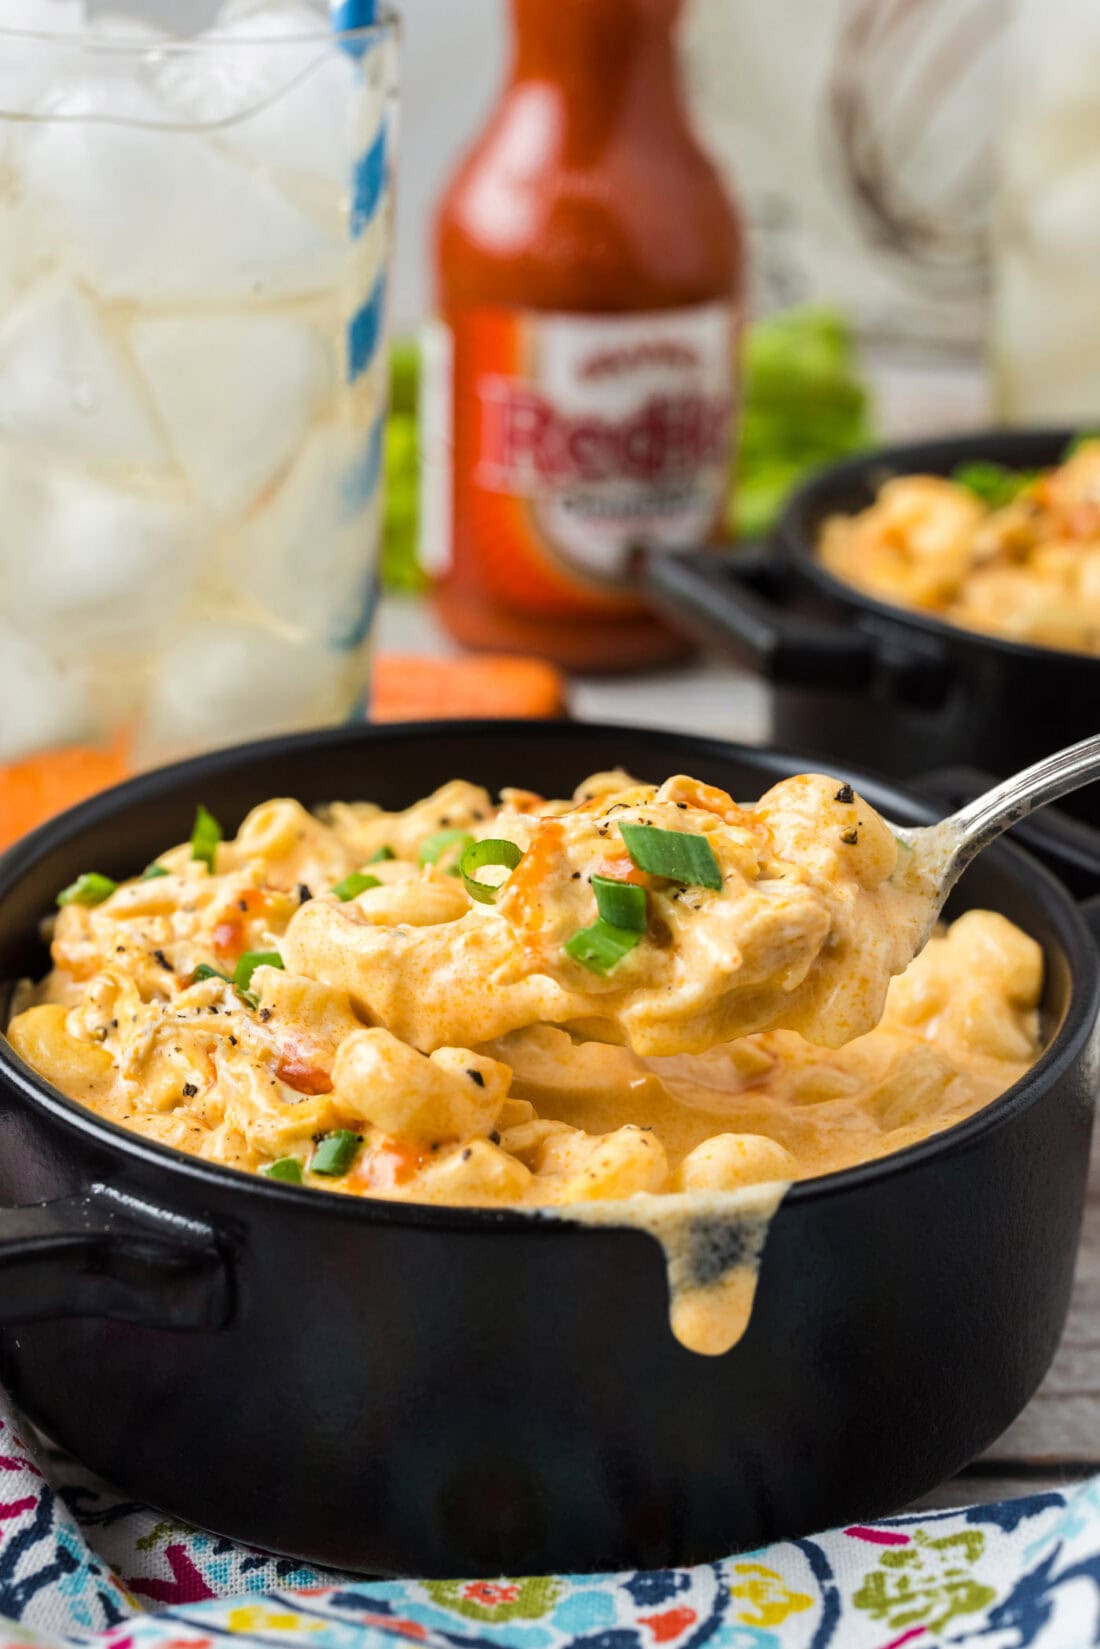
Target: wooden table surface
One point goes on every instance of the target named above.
(1057, 1439)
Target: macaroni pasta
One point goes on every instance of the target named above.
(342, 1001)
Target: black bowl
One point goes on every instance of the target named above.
(397, 1389)
(858, 679)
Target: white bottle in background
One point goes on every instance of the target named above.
(1046, 329)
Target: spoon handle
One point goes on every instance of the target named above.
(976, 825)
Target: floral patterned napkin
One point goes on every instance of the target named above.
(81, 1565)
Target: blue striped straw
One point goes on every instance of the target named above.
(348, 15)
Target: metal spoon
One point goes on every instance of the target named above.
(941, 852)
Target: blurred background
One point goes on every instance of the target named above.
(861, 137)
(917, 186)
(877, 155)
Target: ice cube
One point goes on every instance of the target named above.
(64, 381)
(310, 556)
(42, 704)
(290, 98)
(124, 28)
(30, 60)
(96, 567)
(159, 215)
(28, 64)
(25, 254)
(271, 19)
(222, 681)
(43, 16)
(236, 395)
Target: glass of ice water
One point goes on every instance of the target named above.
(194, 234)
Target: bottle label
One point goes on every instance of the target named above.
(574, 440)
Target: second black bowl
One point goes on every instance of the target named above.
(861, 680)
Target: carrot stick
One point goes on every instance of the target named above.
(33, 790)
(408, 688)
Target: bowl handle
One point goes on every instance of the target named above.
(724, 600)
(739, 600)
(103, 1254)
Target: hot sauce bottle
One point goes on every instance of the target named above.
(580, 377)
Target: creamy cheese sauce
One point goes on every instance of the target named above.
(805, 928)
(407, 1040)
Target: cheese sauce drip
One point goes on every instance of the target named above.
(713, 1243)
(396, 1036)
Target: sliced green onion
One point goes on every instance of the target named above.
(205, 971)
(381, 856)
(478, 856)
(153, 872)
(205, 837)
(355, 884)
(678, 855)
(336, 1153)
(89, 889)
(623, 904)
(433, 848)
(250, 961)
(602, 946)
(287, 1169)
(994, 484)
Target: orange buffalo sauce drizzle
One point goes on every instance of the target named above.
(301, 1074)
(228, 936)
(708, 799)
(391, 1163)
(619, 867)
(528, 883)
